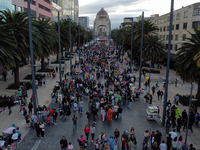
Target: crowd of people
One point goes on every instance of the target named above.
(99, 63)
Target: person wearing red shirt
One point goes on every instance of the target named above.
(109, 115)
(87, 131)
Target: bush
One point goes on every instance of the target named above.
(185, 99)
(152, 70)
(46, 70)
(29, 77)
(27, 84)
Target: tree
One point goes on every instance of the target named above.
(153, 49)
(48, 37)
(17, 25)
(186, 58)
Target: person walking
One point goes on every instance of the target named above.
(175, 144)
(81, 106)
(109, 115)
(92, 131)
(87, 131)
(9, 106)
(37, 129)
(63, 143)
(42, 129)
(55, 114)
(74, 119)
(30, 108)
(103, 113)
(70, 146)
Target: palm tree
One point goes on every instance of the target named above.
(17, 24)
(153, 49)
(186, 58)
(48, 37)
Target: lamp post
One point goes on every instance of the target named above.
(123, 44)
(141, 50)
(84, 43)
(79, 42)
(70, 41)
(168, 63)
(131, 48)
(31, 53)
(150, 76)
(188, 118)
(59, 46)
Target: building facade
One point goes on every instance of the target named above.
(67, 8)
(5, 4)
(18, 5)
(183, 21)
(128, 21)
(84, 22)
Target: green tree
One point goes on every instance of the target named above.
(153, 49)
(185, 64)
(17, 24)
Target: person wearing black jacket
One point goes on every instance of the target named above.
(55, 114)
(30, 107)
(63, 143)
(9, 106)
(120, 111)
(37, 129)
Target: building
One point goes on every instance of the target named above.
(84, 22)
(128, 21)
(67, 8)
(5, 4)
(39, 8)
(183, 21)
(102, 24)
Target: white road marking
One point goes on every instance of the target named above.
(35, 146)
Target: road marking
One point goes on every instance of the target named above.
(35, 146)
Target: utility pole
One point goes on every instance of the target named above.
(31, 53)
(168, 63)
(141, 50)
(59, 46)
(123, 44)
(131, 48)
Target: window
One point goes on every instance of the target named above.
(167, 28)
(196, 11)
(196, 24)
(43, 16)
(163, 37)
(184, 37)
(176, 37)
(160, 37)
(158, 21)
(164, 19)
(48, 1)
(161, 21)
(172, 27)
(175, 47)
(185, 14)
(172, 37)
(33, 13)
(184, 25)
(178, 16)
(32, 2)
(167, 46)
(14, 7)
(160, 29)
(168, 18)
(177, 26)
(20, 9)
(167, 38)
(173, 17)
(164, 28)
(43, 7)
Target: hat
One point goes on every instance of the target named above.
(157, 131)
(111, 135)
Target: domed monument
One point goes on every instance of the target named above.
(102, 24)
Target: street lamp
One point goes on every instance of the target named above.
(59, 46)
(168, 63)
(31, 53)
(141, 50)
(123, 44)
(79, 42)
(131, 48)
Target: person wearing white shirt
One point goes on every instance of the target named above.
(14, 137)
(173, 134)
(163, 146)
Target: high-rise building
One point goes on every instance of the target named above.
(5, 4)
(84, 22)
(67, 8)
(18, 5)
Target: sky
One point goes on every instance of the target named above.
(118, 9)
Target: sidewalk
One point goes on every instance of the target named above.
(43, 94)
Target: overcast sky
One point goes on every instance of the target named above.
(118, 9)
